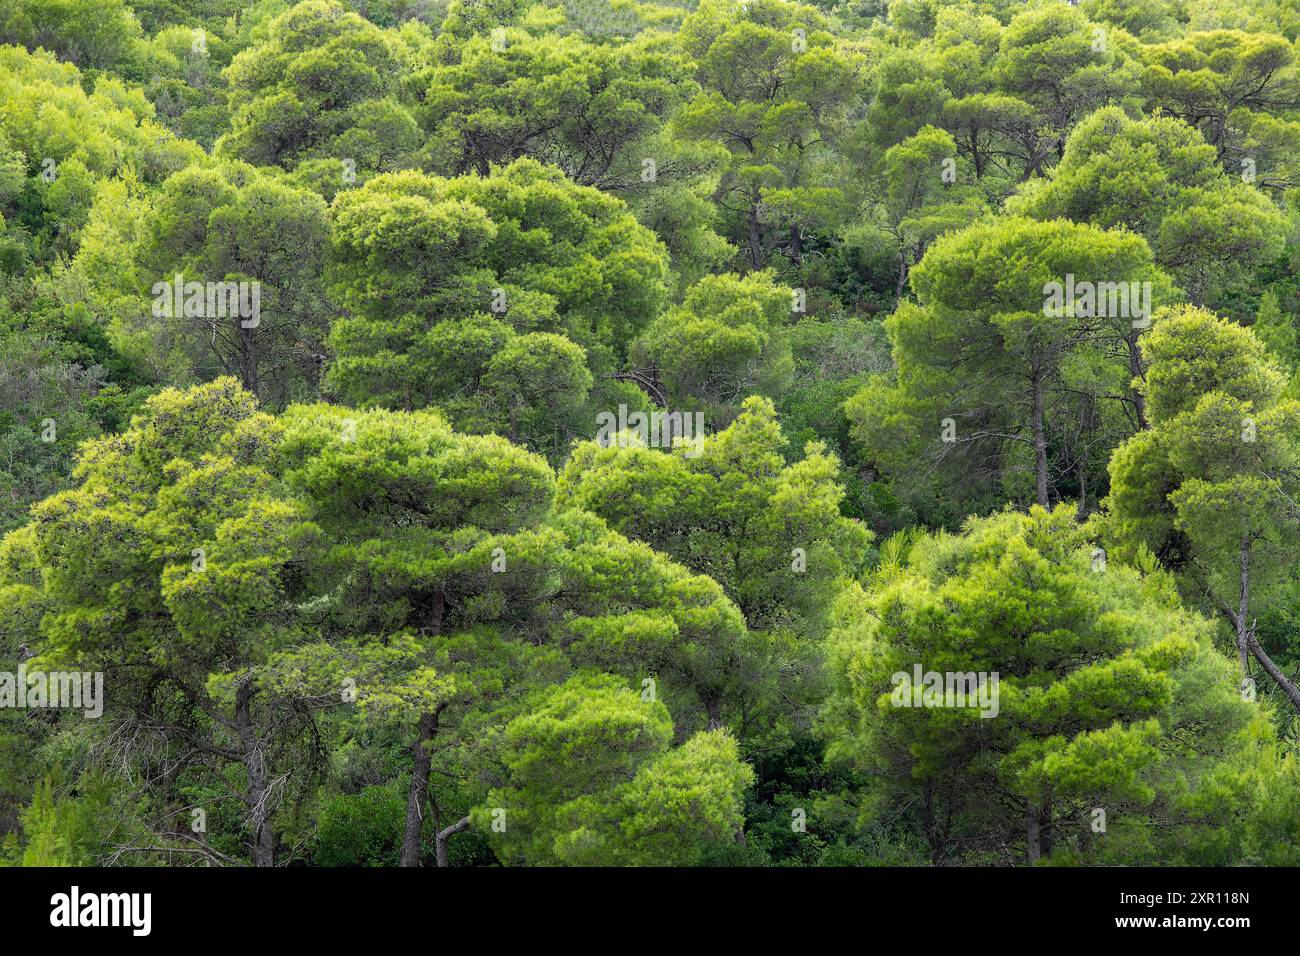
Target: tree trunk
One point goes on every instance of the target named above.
(930, 827)
(1040, 439)
(1290, 689)
(1038, 821)
(713, 709)
(1247, 643)
(444, 835)
(419, 791)
(263, 845)
(1135, 369)
(433, 623)
(248, 359)
(426, 730)
(755, 238)
(1243, 603)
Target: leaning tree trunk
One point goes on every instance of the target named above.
(1247, 643)
(444, 835)
(1288, 687)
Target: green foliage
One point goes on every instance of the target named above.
(1219, 80)
(733, 508)
(52, 126)
(770, 532)
(594, 782)
(480, 295)
(60, 831)
(232, 224)
(1277, 331)
(995, 383)
(725, 341)
(1210, 489)
(1160, 179)
(360, 829)
(778, 119)
(91, 34)
(1109, 696)
(320, 86)
(562, 100)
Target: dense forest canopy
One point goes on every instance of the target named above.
(694, 432)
